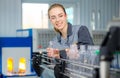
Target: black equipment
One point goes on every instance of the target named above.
(36, 62)
(110, 44)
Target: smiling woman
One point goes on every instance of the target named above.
(67, 35)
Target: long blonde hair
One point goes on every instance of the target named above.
(54, 6)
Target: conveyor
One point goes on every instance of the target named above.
(77, 69)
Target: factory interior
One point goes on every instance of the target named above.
(25, 33)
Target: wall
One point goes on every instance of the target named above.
(119, 8)
(106, 9)
(11, 13)
(10, 17)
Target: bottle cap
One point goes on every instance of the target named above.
(116, 52)
(97, 52)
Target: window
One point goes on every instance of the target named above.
(34, 15)
(70, 14)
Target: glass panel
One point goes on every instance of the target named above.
(34, 15)
(70, 14)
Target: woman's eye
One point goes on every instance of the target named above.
(61, 16)
(52, 18)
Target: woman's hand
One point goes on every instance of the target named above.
(53, 53)
(72, 54)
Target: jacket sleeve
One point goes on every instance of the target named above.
(84, 36)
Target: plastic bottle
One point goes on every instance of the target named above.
(52, 60)
(114, 63)
(82, 51)
(118, 60)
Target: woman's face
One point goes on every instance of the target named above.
(58, 18)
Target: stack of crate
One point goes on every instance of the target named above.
(98, 36)
(45, 35)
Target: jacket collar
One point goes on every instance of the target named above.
(69, 32)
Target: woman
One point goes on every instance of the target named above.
(67, 34)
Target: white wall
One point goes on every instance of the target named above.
(11, 13)
(119, 8)
(106, 9)
(10, 17)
